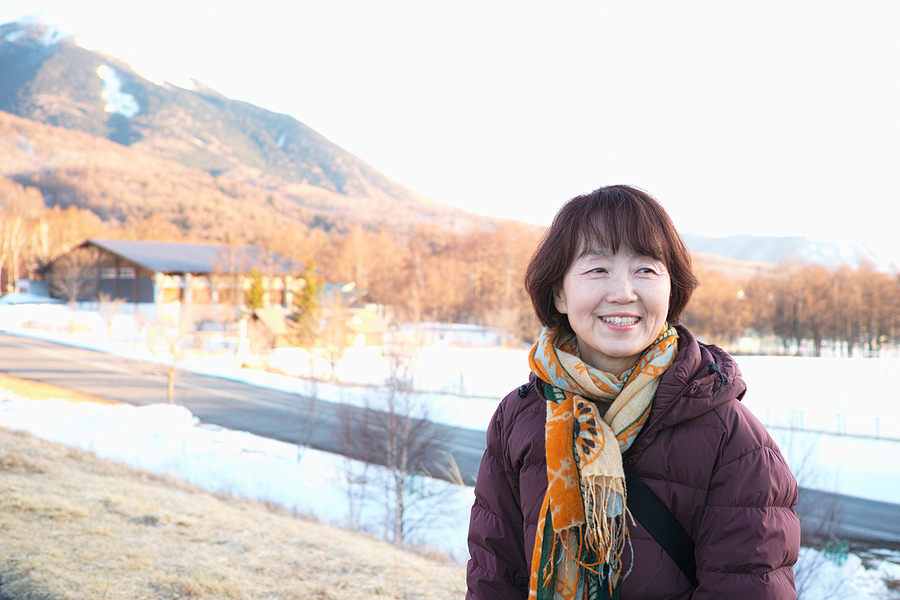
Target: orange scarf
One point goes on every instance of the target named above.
(583, 528)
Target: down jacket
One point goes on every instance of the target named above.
(702, 453)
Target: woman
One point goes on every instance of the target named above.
(613, 379)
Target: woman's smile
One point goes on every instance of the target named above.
(624, 321)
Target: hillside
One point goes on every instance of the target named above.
(77, 527)
(190, 151)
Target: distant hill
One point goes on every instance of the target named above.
(732, 268)
(763, 250)
(49, 79)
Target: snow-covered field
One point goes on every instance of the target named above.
(462, 387)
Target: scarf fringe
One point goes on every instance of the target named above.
(607, 534)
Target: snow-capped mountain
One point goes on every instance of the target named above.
(107, 91)
(883, 254)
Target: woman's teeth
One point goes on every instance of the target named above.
(620, 320)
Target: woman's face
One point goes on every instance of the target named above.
(616, 304)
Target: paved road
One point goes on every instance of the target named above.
(232, 404)
(867, 522)
(285, 417)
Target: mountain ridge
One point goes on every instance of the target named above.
(771, 250)
(62, 84)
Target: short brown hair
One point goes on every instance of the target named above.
(613, 217)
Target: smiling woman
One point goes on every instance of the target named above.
(618, 387)
(616, 305)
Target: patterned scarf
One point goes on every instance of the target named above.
(583, 527)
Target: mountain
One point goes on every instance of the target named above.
(86, 128)
(50, 79)
(763, 250)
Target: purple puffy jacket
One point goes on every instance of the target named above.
(702, 453)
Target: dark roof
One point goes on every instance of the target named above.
(169, 257)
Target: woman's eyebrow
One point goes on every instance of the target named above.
(595, 253)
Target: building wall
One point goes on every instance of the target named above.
(112, 276)
(125, 283)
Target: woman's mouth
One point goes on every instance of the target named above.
(620, 320)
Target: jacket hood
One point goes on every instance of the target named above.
(702, 378)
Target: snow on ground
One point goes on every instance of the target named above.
(463, 388)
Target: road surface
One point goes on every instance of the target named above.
(232, 404)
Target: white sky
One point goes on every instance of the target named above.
(769, 118)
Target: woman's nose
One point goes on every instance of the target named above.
(621, 290)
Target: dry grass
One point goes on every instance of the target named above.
(75, 526)
(35, 390)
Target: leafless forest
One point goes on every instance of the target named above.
(474, 275)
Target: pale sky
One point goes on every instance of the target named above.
(767, 118)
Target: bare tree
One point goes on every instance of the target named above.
(108, 309)
(13, 245)
(715, 312)
(335, 334)
(39, 253)
(395, 431)
(74, 276)
(175, 340)
(820, 518)
(356, 479)
(306, 418)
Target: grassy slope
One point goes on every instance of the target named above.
(74, 526)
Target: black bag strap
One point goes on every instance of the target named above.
(659, 522)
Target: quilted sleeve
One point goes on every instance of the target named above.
(749, 535)
(496, 567)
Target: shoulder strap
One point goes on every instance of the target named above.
(660, 523)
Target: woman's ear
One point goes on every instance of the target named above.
(559, 300)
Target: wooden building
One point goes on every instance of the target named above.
(162, 272)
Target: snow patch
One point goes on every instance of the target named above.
(117, 101)
(52, 35)
(145, 65)
(13, 36)
(49, 33)
(846, 576)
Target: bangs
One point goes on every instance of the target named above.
(614, 226)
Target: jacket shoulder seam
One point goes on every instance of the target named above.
(755, 448)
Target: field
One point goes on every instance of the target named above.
(75, 526)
